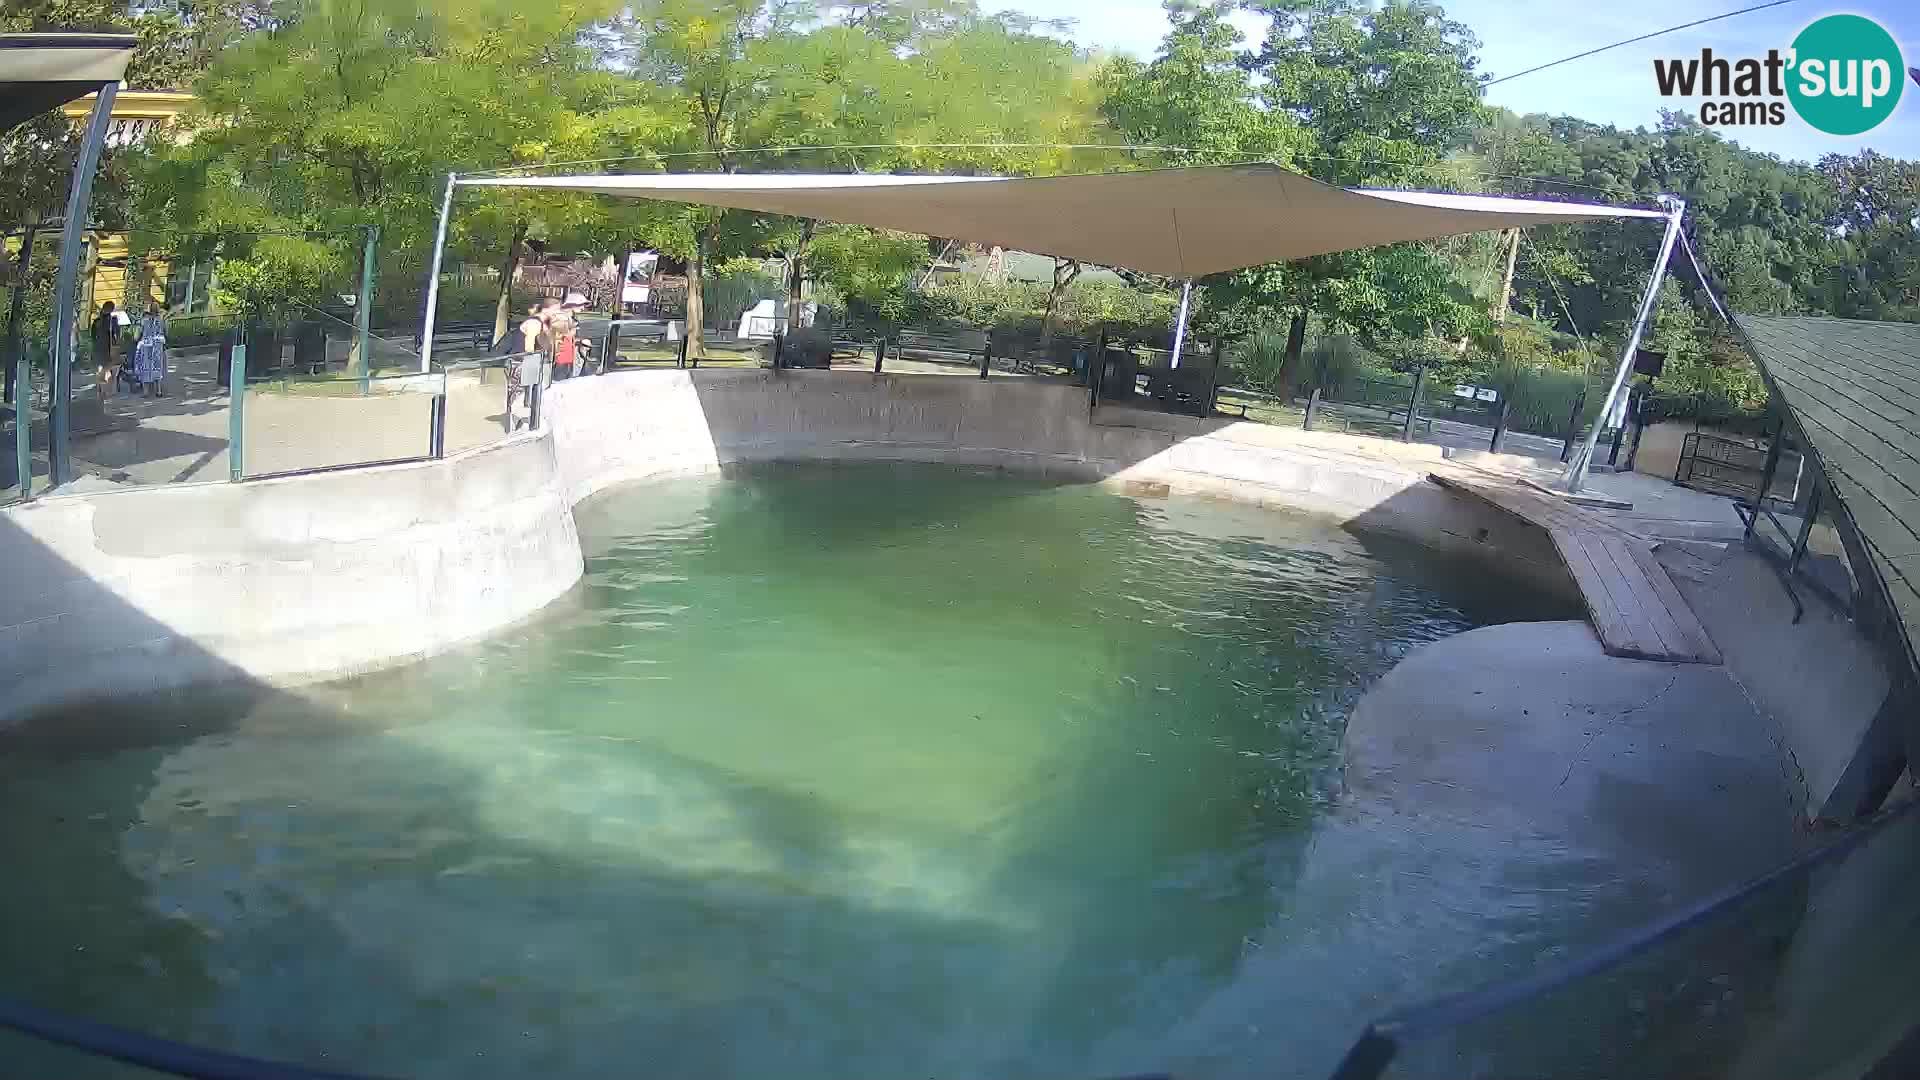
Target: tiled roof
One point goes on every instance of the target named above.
(1853, 388)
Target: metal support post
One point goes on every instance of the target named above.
(433, 276)
(682, 361)
(236, 406)
(1766, 476)
(363, 317)
(65, 326)
(533, 403)
(1639, 417)
(879, 353)
(1180, 322)
(986, 356)
(779, 349)
(1573, 425)
(1313, 406)
(1577, 468)
(1500, 427)
(1620, 434)
(1413, 403)
(193, 275)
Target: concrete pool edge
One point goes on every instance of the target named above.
(304, 578)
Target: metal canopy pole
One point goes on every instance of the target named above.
(79, 202)
(433, 277)
(1577, 468)
(1180, 323)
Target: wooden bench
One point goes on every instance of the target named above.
(1631, 600)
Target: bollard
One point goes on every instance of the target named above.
(236, 401)
(879, 353)
(610, 348)
(1313, 406)
(437, 428)
(681, 361)
(1413, 403)
(779, 345)
(533, 406)
(1499, 428)
(986, 356)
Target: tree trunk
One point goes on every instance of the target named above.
(1290, 373)
(1064, 273)
(1506, 284)
(696, 305)
(797, 277)
(502, 307)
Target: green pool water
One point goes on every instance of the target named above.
(822, 772)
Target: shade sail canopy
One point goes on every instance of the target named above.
(1180, 222)
(41, 72)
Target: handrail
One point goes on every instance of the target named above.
(1381, 1040)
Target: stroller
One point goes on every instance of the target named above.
(123, 380)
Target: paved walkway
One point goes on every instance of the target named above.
(183, 437)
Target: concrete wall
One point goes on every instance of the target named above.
(645, 424)
(325, 574)
(299, 578)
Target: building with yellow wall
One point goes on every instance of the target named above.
(137, 116)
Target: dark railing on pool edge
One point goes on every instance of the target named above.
(1368, 1058)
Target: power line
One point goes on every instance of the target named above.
(1642, 37)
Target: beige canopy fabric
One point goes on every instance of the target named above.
(41, 72)
(1180, 222)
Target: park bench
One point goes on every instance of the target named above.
(965, 345)
(474, 336)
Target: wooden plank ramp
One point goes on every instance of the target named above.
(1633, 604)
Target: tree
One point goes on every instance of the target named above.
(1381, 96)
(350, 113)
(845, 88)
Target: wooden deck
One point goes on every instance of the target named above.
(1634, 605)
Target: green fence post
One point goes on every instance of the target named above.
(363, 328)
(236, 403)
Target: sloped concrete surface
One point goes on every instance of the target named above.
(1663, 773)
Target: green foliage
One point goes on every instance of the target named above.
(866, 272)
(737, 288)
(278, 272)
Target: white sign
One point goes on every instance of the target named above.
(1485, 394)
(639, 277)
(1463, 390)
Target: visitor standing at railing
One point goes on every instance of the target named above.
(527, 347)
(565, 325)
(150, 354)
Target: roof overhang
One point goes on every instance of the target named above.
(1186, 222)
(41, 72)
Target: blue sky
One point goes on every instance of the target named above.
(1615, 87)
